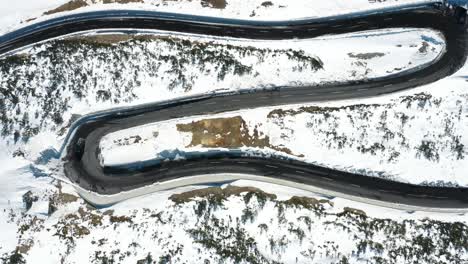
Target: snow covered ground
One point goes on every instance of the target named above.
(418, 137)
(43, 221)
(82, 77)
(234, 225)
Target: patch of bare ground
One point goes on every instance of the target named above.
(69, 6)
(59, 199)
(352, 211)
(75, 4)
(219, 4)
(29, 20)
(231, 132)
(280, 113)
(120, 219)
(306, 202)
(219, 194)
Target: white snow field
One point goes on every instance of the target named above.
(415, 136)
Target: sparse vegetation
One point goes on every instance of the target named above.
(428, 150)
(366, 56)
(69, 6)
(247, 231)
(80, 68)
(383, 130)
(219, 194)
(14, 258)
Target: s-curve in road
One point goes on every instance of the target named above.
(106, 185)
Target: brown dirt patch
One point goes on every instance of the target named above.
(306, 202)
(352, 211)
(231, 132)
(72, 5)
(29, 20)
(75, 4)
(92, 218)
(60, 199)
(219, 4)
(217, 193)
(120, 219)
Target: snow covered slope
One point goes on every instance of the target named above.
(417, 136)
(46, 85)
(236, 224)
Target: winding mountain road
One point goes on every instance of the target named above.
(107, 185)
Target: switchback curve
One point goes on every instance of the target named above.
(80, 152)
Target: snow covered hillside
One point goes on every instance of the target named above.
(233, 224)
(46, 86)
(417, 136)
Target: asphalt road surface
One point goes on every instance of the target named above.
(81, 149)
